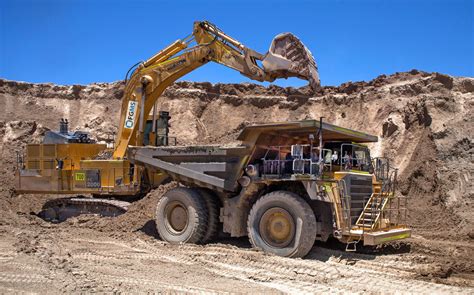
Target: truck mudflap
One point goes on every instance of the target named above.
(380, 237)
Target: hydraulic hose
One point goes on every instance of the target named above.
(130, 70)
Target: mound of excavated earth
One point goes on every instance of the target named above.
(425, 126)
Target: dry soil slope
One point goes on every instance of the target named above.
(424, 121)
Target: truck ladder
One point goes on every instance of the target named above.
(370, 216)
(374, 209)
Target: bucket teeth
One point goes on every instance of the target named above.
(289, 57)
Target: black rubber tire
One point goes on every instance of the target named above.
(301, 213)
(213, 207)
(197, 216)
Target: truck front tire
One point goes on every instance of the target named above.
(282, 223)
(182, 216)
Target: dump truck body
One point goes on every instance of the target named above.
(353, 196)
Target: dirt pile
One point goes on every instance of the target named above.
(139, 217)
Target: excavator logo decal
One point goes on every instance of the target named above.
(130, 119)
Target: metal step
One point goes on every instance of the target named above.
(370, 214)
(359, 201)
(364, 226)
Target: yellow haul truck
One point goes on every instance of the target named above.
(285, 186)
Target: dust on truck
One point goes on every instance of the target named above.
(285, 186)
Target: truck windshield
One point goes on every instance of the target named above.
(355, 157)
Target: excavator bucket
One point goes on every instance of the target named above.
(289, 57)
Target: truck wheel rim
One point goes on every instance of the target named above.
(176, 217)
(277, 227)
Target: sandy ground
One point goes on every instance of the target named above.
(425, 125)
(125, 254)
(43, 257)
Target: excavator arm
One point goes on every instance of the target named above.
(287, 57)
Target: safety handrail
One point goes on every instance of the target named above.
(378, 203)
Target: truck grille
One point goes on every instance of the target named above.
(359, 189)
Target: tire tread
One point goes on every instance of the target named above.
(212, 204)
(199, 220)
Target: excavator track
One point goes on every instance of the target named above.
(58, 210)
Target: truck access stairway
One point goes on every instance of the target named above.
(372, 211)
(383, 215)
(375, 208)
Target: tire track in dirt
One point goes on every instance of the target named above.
(332, 270)
(275, 281)
(101, 262)
(159, 285)
(282, 274)
(22, 266)
(109, 252)
(330, 275)
(386, 271)
(4, 256)
(23, 278)
(59, 270)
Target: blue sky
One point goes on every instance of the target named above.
(82, 41)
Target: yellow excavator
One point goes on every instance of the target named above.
(72, 163)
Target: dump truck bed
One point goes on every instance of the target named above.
(215, 167)
(220, 166)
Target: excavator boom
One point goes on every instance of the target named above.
(287, 57)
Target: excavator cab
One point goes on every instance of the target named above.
(156, 131)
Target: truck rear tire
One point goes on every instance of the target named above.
(212, 204)
(182, 216)
(282, 223)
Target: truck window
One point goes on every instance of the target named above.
(355, 157)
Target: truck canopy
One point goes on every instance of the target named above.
(298, 131)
